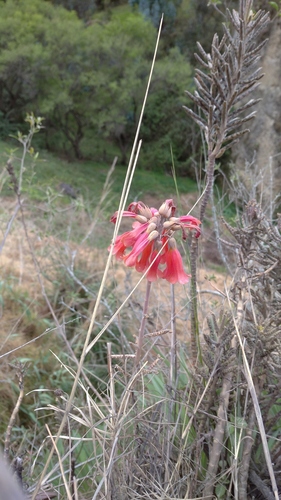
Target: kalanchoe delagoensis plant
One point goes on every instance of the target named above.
(229, 74)
(150, 246)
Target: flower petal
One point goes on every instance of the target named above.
(191, 223)
(126, 213)
(154, 270)
(139, 245)
(174, 272)
(143, 262)
(119, 247)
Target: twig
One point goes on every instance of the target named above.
(248, 442)
(252, 390)
(218, 440)
(259, 483)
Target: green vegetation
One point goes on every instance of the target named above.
(88, 81)
(84, 66)
(87, 177)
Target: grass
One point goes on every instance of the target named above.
(44, 175)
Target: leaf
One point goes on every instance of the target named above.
(221, 491)
(274, 5)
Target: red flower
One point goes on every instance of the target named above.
(151, 243)
(174, 272)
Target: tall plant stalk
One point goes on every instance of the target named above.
(142, 326)
(230, 74)
(173, 349)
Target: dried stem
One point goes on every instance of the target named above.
(194, 341)
(173, 351)
(218, 440)
(248, 442)
(142, 327)
(261, 486)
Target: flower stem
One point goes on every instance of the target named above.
(142, 327)
(173, 350)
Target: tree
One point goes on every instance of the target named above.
(153, 9)
(89, 78)
(164, 119)
(86, 8)
(78, 76)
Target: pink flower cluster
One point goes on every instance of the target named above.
(151, 243)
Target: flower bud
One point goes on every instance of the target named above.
(165, 210)
(141, 218)
(153, 235)
(145, 211)
(168, 224)
(154, 219)
(172, 244)
(151, 227)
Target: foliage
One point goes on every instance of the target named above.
(87, 77)
(164, 107)
(83, 8)
(153, 9)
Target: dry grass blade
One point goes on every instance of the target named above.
(87, 340)
(69, 496)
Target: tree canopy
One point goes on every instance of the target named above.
(87, 77)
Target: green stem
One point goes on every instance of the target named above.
(195, 340)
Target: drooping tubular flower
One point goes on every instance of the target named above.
(151, 241)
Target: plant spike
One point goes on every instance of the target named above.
(228, 76)
(231, 74)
